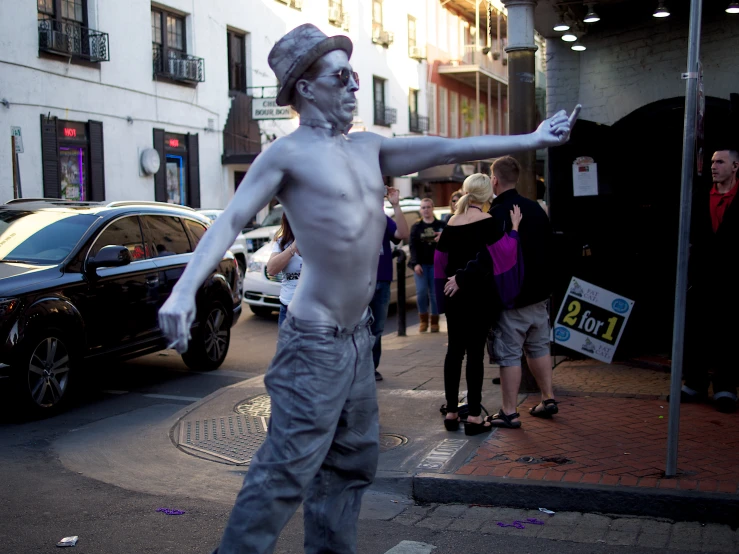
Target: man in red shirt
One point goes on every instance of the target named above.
(713, 302)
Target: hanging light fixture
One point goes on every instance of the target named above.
(661, 10)
(569, 36)
(578, 47)
(591, 16)
(561, 25)
(733, 8)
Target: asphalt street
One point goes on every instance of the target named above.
(42, 500)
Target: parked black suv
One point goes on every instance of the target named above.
(83, 282)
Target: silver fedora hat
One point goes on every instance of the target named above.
(294, 53)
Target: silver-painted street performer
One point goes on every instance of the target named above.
(322, 445)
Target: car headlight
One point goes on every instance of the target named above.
(255, 267)
(8, 306)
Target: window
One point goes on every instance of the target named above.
(411, 35)
(197, 230)
(413, 101)
(168, 30)
(169, 48)
(165, 236)
(122, 232)
(376, 17)
(45, 8)
(378, 86)
(431, 92)
(73, 10)
(178, 178)
(73, 159)
(236, 65)
(443, 112)
(454, 114)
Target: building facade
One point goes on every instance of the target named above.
(101, 91)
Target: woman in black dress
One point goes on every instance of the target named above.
(471, 311)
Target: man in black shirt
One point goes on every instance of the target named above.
(525, 328)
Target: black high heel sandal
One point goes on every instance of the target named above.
(451, 424)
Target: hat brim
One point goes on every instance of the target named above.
(302, 64)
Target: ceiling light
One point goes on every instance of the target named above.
(569, 37)
(578, 47)
(733, 8)
(562, 26)
(591, 16)
(661, 10)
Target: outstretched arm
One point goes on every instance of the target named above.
(401, 156)
(261, 183)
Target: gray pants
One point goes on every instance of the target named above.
(322, 444)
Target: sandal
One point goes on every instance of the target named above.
(501, 419)
(451, 424)
(549, 409)
(471, 429)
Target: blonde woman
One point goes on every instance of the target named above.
(470, 312)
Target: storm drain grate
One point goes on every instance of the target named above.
(257, 406)
(234, 438)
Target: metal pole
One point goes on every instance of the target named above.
(400, 272)
(478, 59)
(678, 329)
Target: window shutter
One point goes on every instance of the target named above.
(97, 161)
(193, 171)
(50, 157)
(160, 177)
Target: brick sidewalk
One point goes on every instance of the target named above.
(612, 430)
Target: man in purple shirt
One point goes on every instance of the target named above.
(395, 231)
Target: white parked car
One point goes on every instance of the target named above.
(262, 291)
(238, 248)
(263, 234)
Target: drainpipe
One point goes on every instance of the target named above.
(521, 85)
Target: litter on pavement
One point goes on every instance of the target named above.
(550, 512)
(68, 541)
(521, 524)
(171, 512)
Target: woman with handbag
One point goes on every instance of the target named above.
(285, 259)
(471, 234)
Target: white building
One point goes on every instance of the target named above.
(95, 83)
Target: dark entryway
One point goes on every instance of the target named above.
(625, 239)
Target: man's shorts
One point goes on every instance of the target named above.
(518, 329)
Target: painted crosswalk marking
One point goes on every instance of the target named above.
(411, 547)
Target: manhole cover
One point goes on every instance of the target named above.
(259, 406)
(389, 441)
(234, 438)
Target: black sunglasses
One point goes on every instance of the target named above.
(344, 75)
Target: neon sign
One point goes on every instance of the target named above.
(174, 143)
(70, 133)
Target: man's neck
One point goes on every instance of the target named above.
(726, 186)
(429, 220)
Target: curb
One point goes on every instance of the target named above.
(518, 493)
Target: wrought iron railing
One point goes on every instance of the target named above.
(177, 65)
(418, 123)
(385, 116)
(71, 39)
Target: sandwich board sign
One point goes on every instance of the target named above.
(591, 320)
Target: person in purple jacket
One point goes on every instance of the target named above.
(395, 231)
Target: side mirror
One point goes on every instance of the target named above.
(110, 256)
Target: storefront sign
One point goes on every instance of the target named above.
(16, 133)
(267, 108)
(584, 177)
(591, 320)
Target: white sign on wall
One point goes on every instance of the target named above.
(16, 132)
(591, 320)
(267, 108)
(584, 177)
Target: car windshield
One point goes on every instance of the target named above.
(40, 237)
(273, 218)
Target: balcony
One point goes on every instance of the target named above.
(385, 116)
(72, 40)
(338, 17)
(178, 66)
(295, 4)
(489, 67)
(418, 123)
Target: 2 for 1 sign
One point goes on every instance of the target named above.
(591, 320)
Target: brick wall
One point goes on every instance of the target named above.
(622, 71)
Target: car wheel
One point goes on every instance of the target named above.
(45, 371)
(209, 345)
(261, 311)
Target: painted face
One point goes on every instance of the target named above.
(334, 87)
(723, 166)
